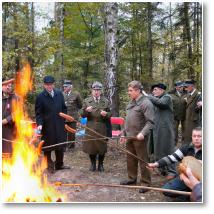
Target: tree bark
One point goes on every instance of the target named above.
(111, 56)
(188, 39)
(149, 29)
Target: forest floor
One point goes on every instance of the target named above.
(115, 171)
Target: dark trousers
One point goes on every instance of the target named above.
(59, 158)
(176, 124)
(176, 184)
(139, 148)
(71, 136)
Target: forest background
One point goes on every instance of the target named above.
(111, 42)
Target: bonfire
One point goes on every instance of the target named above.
(23, 177)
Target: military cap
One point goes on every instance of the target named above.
(97, 86)
(159, 85)
(7, 81)
(189, 82)
(49, 79)
(67, 83)
(178, 83)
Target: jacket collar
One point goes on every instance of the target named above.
(46, 93)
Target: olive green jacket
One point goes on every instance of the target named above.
(97, 123)
(73, 103)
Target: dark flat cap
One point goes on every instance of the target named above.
(49, 79)
(97, 86)
(178, 83)
(159, 85)
(67, 83)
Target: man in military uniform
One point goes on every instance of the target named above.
(179, 108)
(192, 113)
(8, 125)
(97, 110)
(139, 123)
(73, 102)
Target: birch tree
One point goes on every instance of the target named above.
(111, 55)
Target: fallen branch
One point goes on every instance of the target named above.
(123, 186)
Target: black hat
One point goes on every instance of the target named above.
(178, 83)
(49, 79)
(97, 86)
(67, 83)
(189, 82)
(159, 85)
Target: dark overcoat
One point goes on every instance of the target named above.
(47, 110)
(9, 129)
(96, 122)
(179, 105)
(192, 115)
(163, 132)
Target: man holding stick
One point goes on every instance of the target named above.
(193, 149)
(48, 105)
(139, 123)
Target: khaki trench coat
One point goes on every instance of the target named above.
(96, 122)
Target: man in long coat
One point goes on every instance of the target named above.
(139, 123)
(73, 103)
(163, 132)
(8, 125)
(48, 105)
(97, 110)
(179, 108)
(192, 114)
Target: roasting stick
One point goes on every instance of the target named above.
(123, 186)
(71, 119)
(72, 141)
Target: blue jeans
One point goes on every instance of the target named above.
(176, 184)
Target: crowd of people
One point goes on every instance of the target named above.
(151, 128)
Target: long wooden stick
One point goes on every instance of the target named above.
(71, 119)
(123, 186)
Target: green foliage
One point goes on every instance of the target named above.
(77, 53)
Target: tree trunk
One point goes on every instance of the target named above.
(4, 24)
(59, 58)
(188, 39)
(31, 27)
(111, 56)
(172, 51)
(149, 30)
(16, 41)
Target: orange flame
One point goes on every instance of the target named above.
(23, 174)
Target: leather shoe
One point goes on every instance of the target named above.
(128, 182)
(143, 190)
(50, 170)
(62, 167)
(100, 168)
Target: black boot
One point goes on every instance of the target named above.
(100, 163)
(93, 163)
